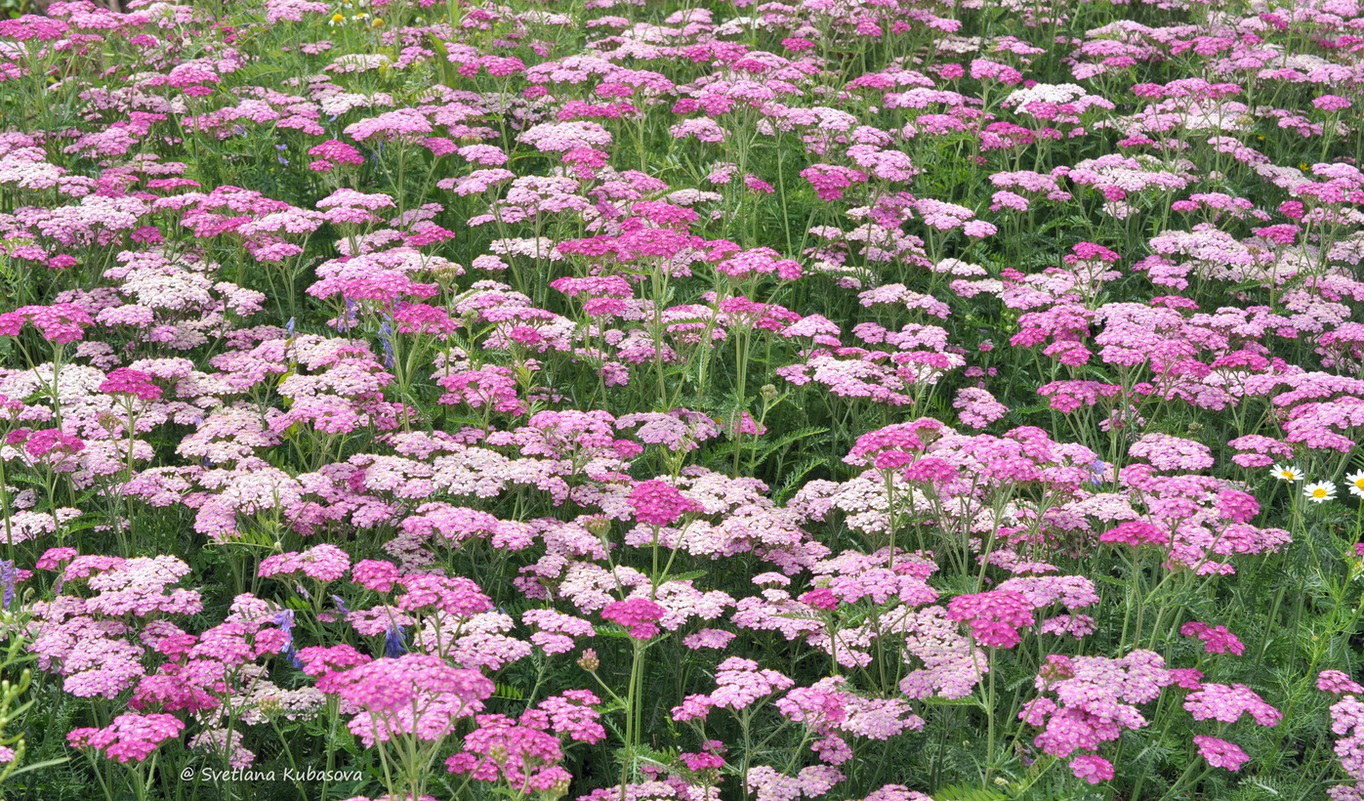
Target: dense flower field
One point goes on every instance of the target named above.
(682, 400)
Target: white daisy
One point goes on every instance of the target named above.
(1355, 484)
(1286, 472)
(1319, 492)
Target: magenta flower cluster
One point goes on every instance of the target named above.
(823, 400)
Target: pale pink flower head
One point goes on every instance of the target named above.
(526, 752)
(319, 660)
(1337, 682)
(1220, 753)
(931, 470)
(517, 753)
(130, 737)
(54, 558)
(323, 563)
(1092, 768)
(1331, 103)
(896, 792)
(413, 694)
(1227, 703)
(455, 595)
(1216, 639)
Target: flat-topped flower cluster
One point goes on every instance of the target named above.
(669, 401)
